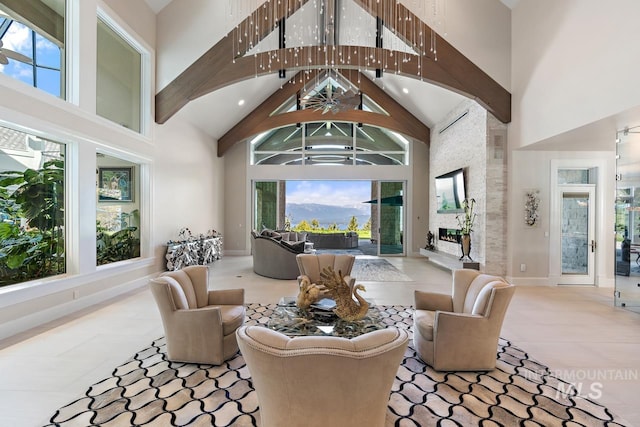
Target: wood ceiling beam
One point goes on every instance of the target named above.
(184, 87)
(475, 83)
(413, 126)
(40, 16)
(317, 57)
(261, 120)
(248, 125)
(224, 64)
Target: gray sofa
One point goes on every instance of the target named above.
(334, 240)
(274, 255)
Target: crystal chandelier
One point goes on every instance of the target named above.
(301, 35)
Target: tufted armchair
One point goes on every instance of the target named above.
(460, 332)
(318, 381)
(199, 324)
(310, 265)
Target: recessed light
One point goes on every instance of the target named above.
(241, 102)
(405, 90)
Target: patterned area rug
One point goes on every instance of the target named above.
(377, 270)
(150, 391)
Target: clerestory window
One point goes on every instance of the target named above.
(32, 43)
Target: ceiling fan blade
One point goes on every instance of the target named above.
(3, 59)
(15, 56)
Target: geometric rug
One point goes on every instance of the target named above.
(377, 270)
(148, 390)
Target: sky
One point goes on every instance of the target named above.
(338, 193)
(18, 39)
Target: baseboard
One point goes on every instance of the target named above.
(530, 281)
(42, 317)
(237, 252)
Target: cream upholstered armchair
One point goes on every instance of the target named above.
(460, 332)
(199, 324)
(319, 381)
(311, 265)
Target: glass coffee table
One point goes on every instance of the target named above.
(292, 321)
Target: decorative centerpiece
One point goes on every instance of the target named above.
(334, 285)
(465, 221)
(309, 293)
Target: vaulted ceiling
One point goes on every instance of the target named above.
(205, 92)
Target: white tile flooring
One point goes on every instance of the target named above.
(575, 330)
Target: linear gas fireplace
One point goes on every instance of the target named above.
(449, 235)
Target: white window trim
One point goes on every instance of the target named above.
(110, 18)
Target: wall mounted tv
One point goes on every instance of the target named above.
(450, 191)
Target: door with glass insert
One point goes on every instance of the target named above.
(578, 245)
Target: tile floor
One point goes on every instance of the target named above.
(576, 331)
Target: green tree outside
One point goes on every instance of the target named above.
(353, 224)
(302, 226)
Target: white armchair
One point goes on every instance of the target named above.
(459, 332)
(318, 381)
(311, 265)
(199, 324)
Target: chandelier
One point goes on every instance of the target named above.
(304, 35)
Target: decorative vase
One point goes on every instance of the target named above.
(465, 244)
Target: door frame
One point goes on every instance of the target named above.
(601, 166)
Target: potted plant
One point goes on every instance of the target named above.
(465, 221)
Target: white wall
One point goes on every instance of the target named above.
(181, 178)
(188, 188)
(574, 62)
(534, 246)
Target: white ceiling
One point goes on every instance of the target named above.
(217, 112)
(158, 5)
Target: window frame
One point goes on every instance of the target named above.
(128, 35)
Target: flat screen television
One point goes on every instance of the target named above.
(450, 191)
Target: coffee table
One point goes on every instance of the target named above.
(292, 321)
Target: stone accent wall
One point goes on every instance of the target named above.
(476, 142)
(496, 198)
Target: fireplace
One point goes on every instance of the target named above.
(449, 235)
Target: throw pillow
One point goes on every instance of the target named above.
(295, 246)
(270, 233)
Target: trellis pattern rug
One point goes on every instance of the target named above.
(150, 391)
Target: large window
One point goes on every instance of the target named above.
(32, 36)
(32, 227)
(119, 78)
(118, 214)
(330, 143)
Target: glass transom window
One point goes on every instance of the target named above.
(329, 143)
